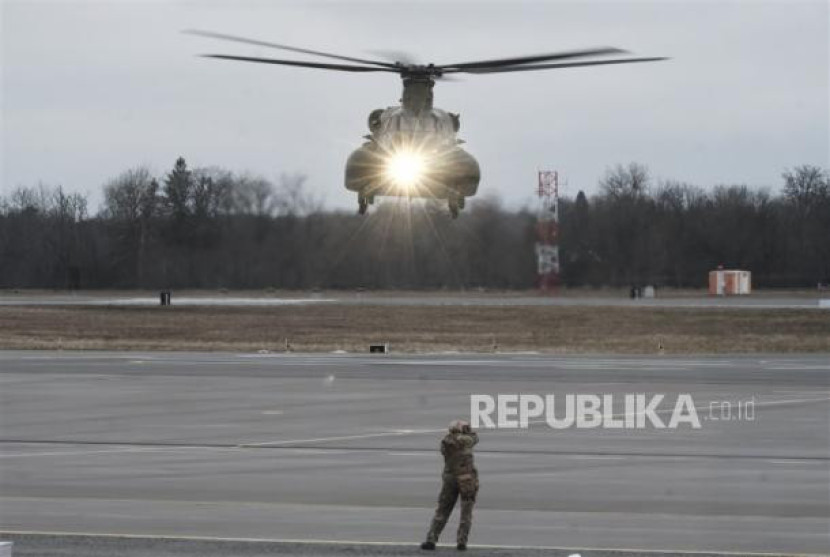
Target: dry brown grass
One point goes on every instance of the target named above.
(320, 328)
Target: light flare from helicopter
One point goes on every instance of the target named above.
(406, 168)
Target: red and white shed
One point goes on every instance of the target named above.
(729, 282)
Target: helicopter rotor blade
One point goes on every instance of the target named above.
(223, 36)
(565, 55)
(554, 66)
(317, 65)
(396, 56)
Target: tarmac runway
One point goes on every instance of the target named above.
(343, 449)
(426, 299)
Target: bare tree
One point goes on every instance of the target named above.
(130, 195)
(254, 196)
(626, 181)
(294, 197)
(805, 185)
(131, 202)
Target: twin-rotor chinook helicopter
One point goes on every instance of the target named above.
(413, 149)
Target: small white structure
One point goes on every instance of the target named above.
(723, 282)
(5, 549)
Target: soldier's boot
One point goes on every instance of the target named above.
(461, 547)
(428, 546)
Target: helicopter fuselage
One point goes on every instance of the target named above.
(437, 166)
(413, 151)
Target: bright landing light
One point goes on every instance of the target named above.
(405, 168)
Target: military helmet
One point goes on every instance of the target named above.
(457, 426)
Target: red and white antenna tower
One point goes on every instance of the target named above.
(547, 230)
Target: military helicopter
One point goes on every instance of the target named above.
(413, 149)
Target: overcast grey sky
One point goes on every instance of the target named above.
(92, 88)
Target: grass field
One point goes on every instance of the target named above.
(324, 328)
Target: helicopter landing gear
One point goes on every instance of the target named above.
(456, 203)
(363, 202)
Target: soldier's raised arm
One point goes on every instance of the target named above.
(468, 440)
(468, 436)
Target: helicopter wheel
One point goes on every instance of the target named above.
(461, 200)
(362, 205)
(454, 207)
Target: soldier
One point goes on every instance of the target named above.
(460, 478)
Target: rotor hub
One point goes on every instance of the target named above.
(420, 73)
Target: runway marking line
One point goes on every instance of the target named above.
(70, 453)
(491, 453)
(397, 433)
(340, 438)
(600, 457)
(139, 449)
(395, 544)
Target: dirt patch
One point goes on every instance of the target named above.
(318, 328)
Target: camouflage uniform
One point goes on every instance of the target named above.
(460, 478)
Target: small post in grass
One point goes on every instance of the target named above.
(378, 348)
(164, 298)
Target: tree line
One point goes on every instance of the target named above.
(211, 228)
